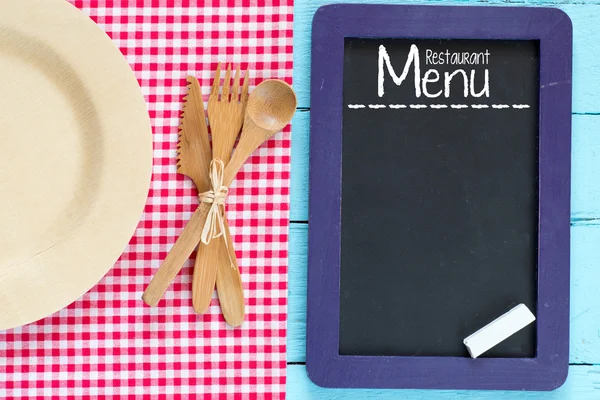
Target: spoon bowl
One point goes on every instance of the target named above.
(270, 108)
(272, 105)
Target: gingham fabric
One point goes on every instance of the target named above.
(109, 344)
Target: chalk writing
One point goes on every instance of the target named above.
(432, 75)
(453, 58)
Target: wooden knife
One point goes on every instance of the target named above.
(193, 160)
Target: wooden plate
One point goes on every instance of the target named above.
(75, 157)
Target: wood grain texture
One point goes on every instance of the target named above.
(75, 159)
(586, 96)
(273, 105)
(585, 170)
(586, 49)
(226, 116)
(270, 108)
(230, 288)
(193, 149)
(583, 383)
(300, 161)
(585, 190)
(177, 256)
(585, 308)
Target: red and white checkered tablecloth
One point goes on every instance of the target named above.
(108, 344)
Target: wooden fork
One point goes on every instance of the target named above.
(216, 262)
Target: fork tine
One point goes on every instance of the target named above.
(244, 97)
(216, 81)
(235, 93)
(226, 84)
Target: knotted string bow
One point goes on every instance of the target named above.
(215, 226)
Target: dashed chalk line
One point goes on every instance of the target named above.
(438, 106)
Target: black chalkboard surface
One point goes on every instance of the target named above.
(439, 208)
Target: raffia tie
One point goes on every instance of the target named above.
(215, 225)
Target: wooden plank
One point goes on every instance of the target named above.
(585, 309)
(297, 274)
(585, 170)
(586, 60)
(300, 160)
(585, 202)
(583, 383)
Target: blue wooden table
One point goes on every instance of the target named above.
(583, 382)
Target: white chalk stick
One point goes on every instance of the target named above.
(498, 330)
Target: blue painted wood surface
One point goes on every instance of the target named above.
(584, 374)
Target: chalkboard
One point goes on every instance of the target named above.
(439, 194)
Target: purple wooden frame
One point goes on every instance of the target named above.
(552, 27)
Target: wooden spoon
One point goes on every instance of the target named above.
(270, 108)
